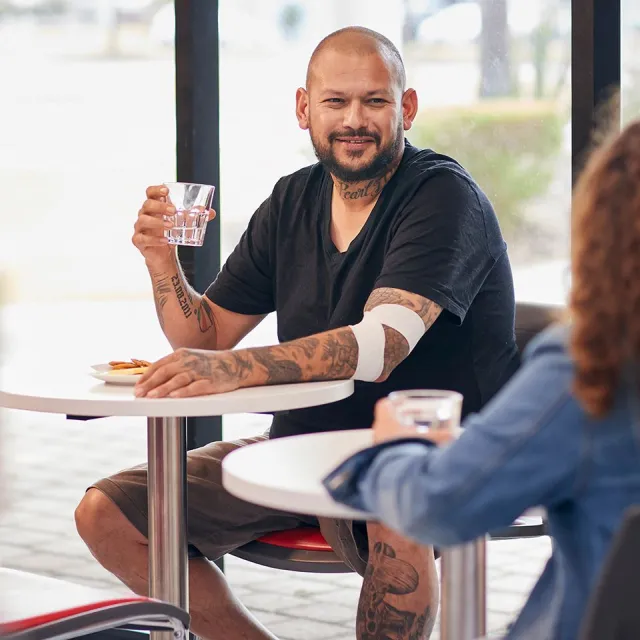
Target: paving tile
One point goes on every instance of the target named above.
(10, 552)
(348, 597)
(23, 538)
(295, 586)
(21, 521)
(273, 602)
(514, 583)
(47, 565)
(324, 612)
(505, 602)
(498, 621)
(267, 618)
(297, 629)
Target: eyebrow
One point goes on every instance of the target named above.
(384, 92)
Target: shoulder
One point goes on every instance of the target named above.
(292, 190)
(439, 188)
(547, 360)
(299, 181)
(432, 177)
(541, 391)
(425, 165)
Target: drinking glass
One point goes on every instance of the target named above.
(424, 410)
(192, 202)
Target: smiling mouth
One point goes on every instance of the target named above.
(355, 142)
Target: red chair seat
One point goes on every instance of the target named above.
(302, 539)
(34, 607)
(54, 616)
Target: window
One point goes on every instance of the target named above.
(493, 80)
(89, 121)
(630, 65)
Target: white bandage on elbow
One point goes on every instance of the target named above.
(371, 338)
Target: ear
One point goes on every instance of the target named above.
(409, 108)
(302, 108)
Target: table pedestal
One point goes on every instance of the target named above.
(463, 591)
(168, 579)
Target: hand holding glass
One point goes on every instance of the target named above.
(426, 412)
(193, 203)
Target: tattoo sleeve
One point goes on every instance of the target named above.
(185, 317)
(332, 355)
(396, 348)
(161, 293)
(425, 308)
(389, 579)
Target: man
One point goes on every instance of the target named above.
(384, 264)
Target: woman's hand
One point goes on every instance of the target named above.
(386, 427)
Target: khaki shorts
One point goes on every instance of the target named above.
(218, 522)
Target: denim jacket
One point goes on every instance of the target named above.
(532, 445)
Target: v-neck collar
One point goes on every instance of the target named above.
(327, 195)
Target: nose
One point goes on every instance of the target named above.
(354, 116)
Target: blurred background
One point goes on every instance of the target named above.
(87, 122)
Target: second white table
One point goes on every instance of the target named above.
(287, 473)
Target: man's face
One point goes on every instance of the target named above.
(355, 115)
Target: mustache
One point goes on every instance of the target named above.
(354, 133)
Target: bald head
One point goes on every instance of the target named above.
(363, 42)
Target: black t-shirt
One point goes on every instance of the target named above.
(432, 232)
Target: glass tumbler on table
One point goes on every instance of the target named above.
(424, 410)
(192, 202)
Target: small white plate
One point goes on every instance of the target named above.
(101, 372)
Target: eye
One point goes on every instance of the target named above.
(378, 101)
(334, 100)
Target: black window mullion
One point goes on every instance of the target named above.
(595, 69)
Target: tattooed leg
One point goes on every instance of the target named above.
(399, 597)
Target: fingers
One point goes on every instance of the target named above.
(157, 192)
(148, 232)
(156, 374)
(196, 388)
(152, 207)
(176, 381)
(382, 410)
(153, 219)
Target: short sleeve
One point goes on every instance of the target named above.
(445, 244)
(245, 282)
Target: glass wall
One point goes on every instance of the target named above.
(88, 121)
(630, 62)
(493, 80)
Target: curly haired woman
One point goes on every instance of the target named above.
(564, 433)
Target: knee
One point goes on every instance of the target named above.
(95, 515)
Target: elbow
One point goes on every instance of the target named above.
(387, 370)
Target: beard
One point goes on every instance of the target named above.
(383, 160)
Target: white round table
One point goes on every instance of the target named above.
(55, 390)
(287, 474)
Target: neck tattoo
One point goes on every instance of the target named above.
(358, 190)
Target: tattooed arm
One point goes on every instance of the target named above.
(396, 347)
(191, 320)
(332, 355)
